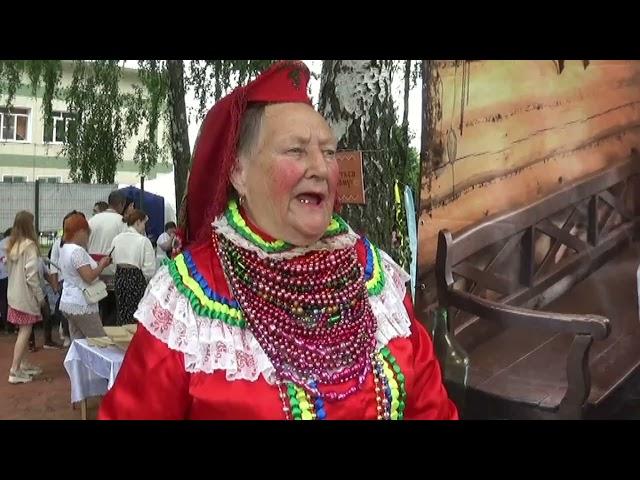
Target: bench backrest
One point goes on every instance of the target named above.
(531, 255)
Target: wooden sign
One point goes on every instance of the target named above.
(351, 181)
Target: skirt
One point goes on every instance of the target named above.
(16, 317)
(130, 286)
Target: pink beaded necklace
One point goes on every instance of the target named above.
(310, 314)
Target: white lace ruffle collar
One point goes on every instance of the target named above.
(209, 345)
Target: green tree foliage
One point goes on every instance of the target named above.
(106, 118)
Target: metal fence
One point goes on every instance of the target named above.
(49, 202)
(13, 198)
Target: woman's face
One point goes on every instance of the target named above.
(289, 180)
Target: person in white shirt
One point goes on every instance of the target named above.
(79, 271)
(47, 283)
(165, 242)
(105, 226)
(4, 282)
(58, 281)
(135, 263)
(100, 207)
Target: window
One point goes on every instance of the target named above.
(49, 179)
(56, 131)
(14, 179)
(14, 125)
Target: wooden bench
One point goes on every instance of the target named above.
(541, 302)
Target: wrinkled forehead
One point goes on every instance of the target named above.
(297, 120)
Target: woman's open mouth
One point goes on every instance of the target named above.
(311, 198)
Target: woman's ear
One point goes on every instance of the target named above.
(238, 176)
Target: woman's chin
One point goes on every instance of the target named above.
(308, 232)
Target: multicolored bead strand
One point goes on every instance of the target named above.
(373, 271)
(383, 393)
(283, 398)
(318, 403)
(302, 406)
(297, 404)
(395, 370)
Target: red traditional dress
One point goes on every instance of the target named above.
(198, 355)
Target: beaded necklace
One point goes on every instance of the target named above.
(390, 391)
(310, 314)
(312, 317)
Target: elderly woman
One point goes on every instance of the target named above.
(276, 309)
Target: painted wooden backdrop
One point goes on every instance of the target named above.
(508, 132)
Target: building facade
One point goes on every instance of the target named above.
(29, 151)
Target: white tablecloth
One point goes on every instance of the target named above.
(92, 370)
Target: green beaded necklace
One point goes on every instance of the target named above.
(389, 381)
(337, 226)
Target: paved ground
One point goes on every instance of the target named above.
(48, 397)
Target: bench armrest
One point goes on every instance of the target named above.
(596, 326)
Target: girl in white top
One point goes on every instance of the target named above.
(79, 271)
(135, 263)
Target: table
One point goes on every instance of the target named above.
(92, 370)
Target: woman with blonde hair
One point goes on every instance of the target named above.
(24, 293)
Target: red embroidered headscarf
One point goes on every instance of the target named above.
(214, 155)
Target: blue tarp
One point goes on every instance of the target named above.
(153, 206)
